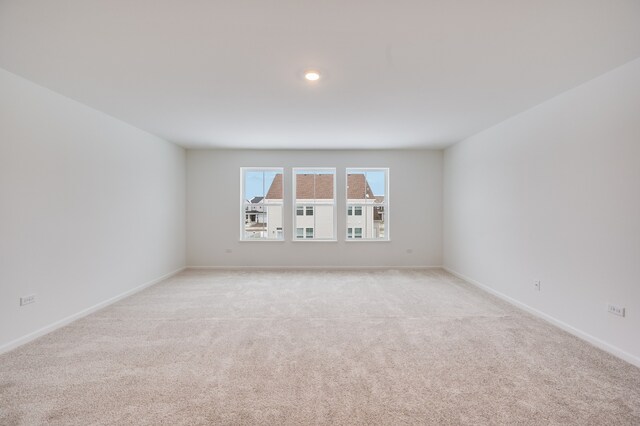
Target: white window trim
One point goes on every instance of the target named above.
(295, 203)
(385, 204)
(243, 204)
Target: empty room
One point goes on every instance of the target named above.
(319, 213)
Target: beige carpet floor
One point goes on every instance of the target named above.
(309, 347)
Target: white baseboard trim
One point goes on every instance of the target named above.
(613, 350)
(313, 268)
(67, 320)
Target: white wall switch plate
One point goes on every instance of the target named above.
(536, 285)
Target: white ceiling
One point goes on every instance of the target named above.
(396, 73)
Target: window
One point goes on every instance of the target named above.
(261, 194)
(304, 210)
(354, 210)
(367, 204)
(315, 202)
(304, 233)
(354, 232)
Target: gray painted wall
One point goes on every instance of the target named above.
(553, 194)
(213, 210)
(90, 208)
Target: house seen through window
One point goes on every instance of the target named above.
(314, 194)
(262, 204)
(314, 204)
(367, 204)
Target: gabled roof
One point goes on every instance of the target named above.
(320, 186)
(314, 186)
(358, 188)
(256, 200)
(275, 190)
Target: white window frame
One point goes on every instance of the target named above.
(243, 203)
(294, 172)
(384, 204)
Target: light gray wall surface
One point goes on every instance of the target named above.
(213, 210)
(553, 194)
(90, 208)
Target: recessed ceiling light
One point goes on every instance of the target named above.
(312, 75)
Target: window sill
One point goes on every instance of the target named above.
(366, 240)
(311, 240)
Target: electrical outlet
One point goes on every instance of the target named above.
(536, 285)
(26, 300)
(615, 310)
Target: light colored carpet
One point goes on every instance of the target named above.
(309, 347)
